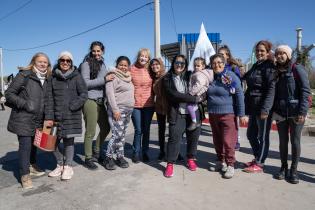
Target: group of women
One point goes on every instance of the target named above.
(57, 95)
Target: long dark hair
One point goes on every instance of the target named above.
(94, 64)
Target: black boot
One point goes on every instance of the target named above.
(283, 173)
(145, 158)
(109, 163)
(89, 164)
(122, 163)
(135, 158)
(294, 178)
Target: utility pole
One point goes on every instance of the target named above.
(1, 69)
(299, 40)
(157, 41)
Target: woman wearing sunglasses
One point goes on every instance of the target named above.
(176, 83)
(66, 94)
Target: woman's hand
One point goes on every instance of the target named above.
(109, 77)
(243, 120)
(263, 116)
(300, 119)
(117, 116)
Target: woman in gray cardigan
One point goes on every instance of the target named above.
(93, 70)
(118, 92)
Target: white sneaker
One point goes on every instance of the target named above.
(219, 166)
(56, 172)
(229, 172)
(67, 173)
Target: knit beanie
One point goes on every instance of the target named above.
(286, 49)
(65, 53)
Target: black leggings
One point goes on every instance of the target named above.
(284, 128)
(161, 119)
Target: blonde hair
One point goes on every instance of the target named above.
(144, 50)
(32, 63)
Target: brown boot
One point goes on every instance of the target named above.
(26, 181)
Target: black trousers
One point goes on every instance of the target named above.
(176, 131)
(285, 128)
(161, 119)
(27, 153)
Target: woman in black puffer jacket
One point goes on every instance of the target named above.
(25, 96)
(66, 94)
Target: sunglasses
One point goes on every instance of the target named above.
(65, 61)
(179, 63)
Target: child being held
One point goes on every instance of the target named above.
(198, 86)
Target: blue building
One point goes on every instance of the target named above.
(185, 45)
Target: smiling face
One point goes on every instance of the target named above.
(179, 65)
(143, 58)
(123, 65)
(156, 67)
(97, 52)
(261, 53)
(217, 65)
(281, 57)
(65, 63)
(41, 63)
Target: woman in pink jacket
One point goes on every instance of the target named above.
(144, 105)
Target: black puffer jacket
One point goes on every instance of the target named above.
(292, 92)
(65, 98)
(26, 96)
(175, 97)
(260, 80)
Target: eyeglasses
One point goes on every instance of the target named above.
(179, 63)
(65, 60)
(217, 63)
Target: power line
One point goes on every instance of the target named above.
(14, 11)
(83, 32)
(174, 23)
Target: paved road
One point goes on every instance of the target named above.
(142, 186)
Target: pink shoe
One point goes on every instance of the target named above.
(169, 172)
(254, 169)
(250, 163)
(191, 164)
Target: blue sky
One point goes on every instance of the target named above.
(241, 24)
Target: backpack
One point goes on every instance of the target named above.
(26, 78)
(297, 77)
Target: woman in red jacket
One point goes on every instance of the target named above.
(144, 105)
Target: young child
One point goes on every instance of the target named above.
(198, 85)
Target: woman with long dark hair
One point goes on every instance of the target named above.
(93, 71)
(176, 83)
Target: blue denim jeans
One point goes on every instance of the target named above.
(141, 119)
(27, 153)
(258, 135)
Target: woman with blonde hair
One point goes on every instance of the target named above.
(25, 96)
(144, 105)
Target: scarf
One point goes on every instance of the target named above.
(226, 80)
(64, 75)
(125, 76)
(41, 75)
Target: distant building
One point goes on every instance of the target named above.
(185, 45)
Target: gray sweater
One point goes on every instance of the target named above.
(120, 94)
(95, 86)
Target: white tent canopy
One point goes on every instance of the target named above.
(203, 48)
